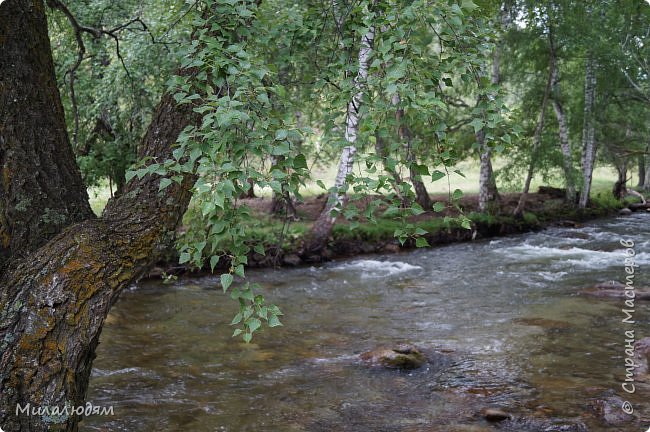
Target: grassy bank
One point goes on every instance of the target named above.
(283, 239)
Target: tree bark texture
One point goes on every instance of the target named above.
(54, 301)
(41, 190)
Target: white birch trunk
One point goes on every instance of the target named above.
(487, 186)
(588, 132)
(322, 227)
(565, 144)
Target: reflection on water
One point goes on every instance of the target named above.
(505, 313)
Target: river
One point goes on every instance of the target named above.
(504, 313)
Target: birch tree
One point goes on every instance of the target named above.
(588, 131)
(322, 227)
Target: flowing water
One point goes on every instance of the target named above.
(505, 314)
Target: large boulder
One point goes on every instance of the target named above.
(399, 357)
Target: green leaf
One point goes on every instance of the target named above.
(281, 134)
(237, 319)
(185, 257)
(254, 324)
(226, 281)
(458, 194)
(247, 337)
(439, 206)
(259, 249)
(300, 162)
(477, 124)
(468, 5)
(437, 175)
(274, 321)
(237, 332)
(214, 259)
(421, 169)
(164, 182)
(421, 242)
(129, 175)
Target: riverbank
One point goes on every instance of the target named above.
(282, 238)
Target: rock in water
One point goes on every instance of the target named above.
(609, 410)
(400, 357)
(495, 415)
(625, 212)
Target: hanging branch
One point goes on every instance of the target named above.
(96, 33)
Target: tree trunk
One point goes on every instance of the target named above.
(565, 145)
(382, 153)
(487, 186)
(421, 194)
(282, 204)
(488, 193)
(322, 228)
(54, 301)
(588, 132)
(537, 137)
(41, 190)
(646, 177)
(641, 167)
(620, 187)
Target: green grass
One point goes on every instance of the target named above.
(604, 178)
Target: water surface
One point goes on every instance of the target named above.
(505, 313)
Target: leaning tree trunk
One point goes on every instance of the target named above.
(588, 133)
(68, 270)
(537, 137)
(316, 239)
